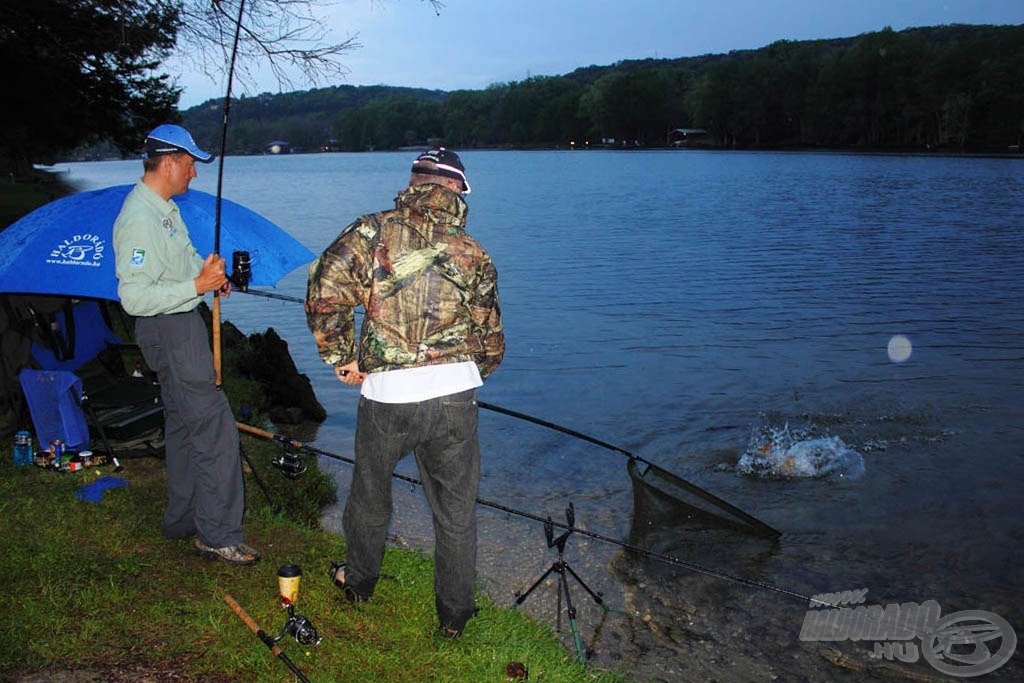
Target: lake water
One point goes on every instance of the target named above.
(678, 304)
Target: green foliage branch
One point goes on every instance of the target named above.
(82, 70)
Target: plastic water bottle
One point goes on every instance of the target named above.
(23, 448)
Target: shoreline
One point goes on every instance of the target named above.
(943, 153)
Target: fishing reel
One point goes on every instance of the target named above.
(288, 578)
(301, 628)
(241, 270)
(289, 462)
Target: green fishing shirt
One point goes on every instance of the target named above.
(155, 261)
(428, 289)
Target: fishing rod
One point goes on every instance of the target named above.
(215, 313)
(273, 295)
(291, 465)
(267, 639)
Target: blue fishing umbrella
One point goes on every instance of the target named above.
(65, 248)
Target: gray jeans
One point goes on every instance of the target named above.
(205, 493)
(442, 434)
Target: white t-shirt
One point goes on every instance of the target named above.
(412, 385)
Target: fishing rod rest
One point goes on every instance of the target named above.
(549, 530)
(562, 569)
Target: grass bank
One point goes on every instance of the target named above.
(21, 194)
(93, 587)
(94, 593)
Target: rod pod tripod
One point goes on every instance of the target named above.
(560, 567)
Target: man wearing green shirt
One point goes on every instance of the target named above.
(161, 281)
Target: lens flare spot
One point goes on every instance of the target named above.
(900, 348)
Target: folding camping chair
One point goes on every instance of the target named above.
(54, 400)
(124, 411)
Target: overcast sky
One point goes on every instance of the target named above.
(475, 43)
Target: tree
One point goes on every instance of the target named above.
(635, 107)
(470, 117)
(540, 110)
(87, 71)
(82, 71)
(389, 123)
(277, 33)
(721, 101)
(284, 35)
(1000, 97)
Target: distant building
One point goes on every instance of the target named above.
(681, 137)
(278, 147)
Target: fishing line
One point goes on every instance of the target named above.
(639, 550)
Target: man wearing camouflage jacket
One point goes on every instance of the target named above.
(431, 333)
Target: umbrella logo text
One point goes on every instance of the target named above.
(81, 250)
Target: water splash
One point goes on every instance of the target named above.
(776, 453)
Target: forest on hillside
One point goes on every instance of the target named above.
(952, 87)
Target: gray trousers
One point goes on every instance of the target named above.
(442, 434)
(205, 494)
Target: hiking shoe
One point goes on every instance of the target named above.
(239, 554)
(245, 548)
(337, 576)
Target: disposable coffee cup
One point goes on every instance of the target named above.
(288, 577)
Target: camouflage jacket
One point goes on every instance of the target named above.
(429, 291)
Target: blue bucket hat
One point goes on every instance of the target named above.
(171, 139)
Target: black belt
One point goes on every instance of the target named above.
(168, 315)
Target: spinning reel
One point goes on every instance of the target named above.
(301, 628)
(289, 461)
(297, 625)
(241, 270)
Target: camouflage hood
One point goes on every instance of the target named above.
(436, 205)
(429, 290)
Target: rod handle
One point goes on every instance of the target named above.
(253, 626)
(215, 324)
(256, 431)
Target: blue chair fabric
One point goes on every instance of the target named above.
(54, 400)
